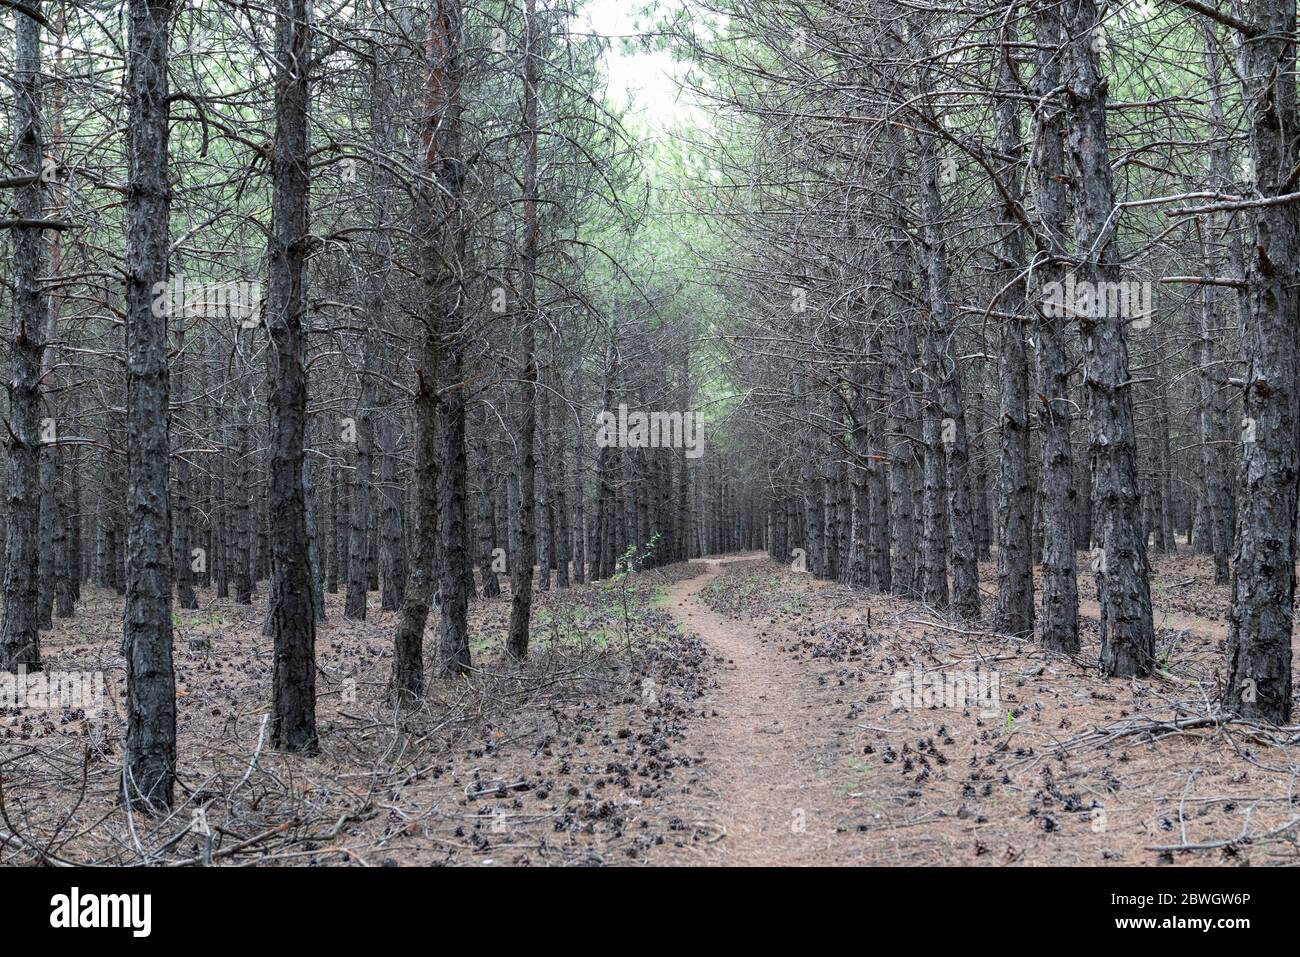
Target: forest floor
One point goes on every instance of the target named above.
(728, 712)
(1069, 768)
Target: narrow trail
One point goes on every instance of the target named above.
(768, 746)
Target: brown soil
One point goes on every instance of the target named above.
(726, 712)
(807, 760)
(766, 747)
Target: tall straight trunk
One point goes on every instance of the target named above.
(335, 547)
(604, 547)
(453, 532)
(945, 378)
(408, 640)
(222, 540)
(292, 594)
(980, 504)
(1084, 523)
(1216, 484)
(1263, 572)
(149, 758)
(1162, 485)
(261, 519)
(682, 515)
(359, 518)
(858, 573)
(206, 489)
(902, 478)
(934, 539)
(602, 532)
(1128, 638)
(486, 521)
(559, 493)
(442, 227)
(64, 572)
(372, 533)
(545, 505)
(1014, 614)
(49, 516)
(1059, 623)
(510, 502)
(312, 501)
(49, 456)
(830, 516)
(878, 505)
(19, 639)
(392, 547)
(521, 598)
(809, 480)
(183, 560)
(67, 561)
(243, 551)
(579, 492)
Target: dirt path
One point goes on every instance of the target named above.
(767, 750)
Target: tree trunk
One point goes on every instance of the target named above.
(292, 604)
(359, 523)
(441, 218)
(149, 758)
(1059, 628)
(392, 546)
(1263, 574)
(1128, 638)
(521, 598)
(19, 639)
(1014, 614)
(182, 559)
(453, 534)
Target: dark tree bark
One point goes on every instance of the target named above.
(19, 640)
(63, 574)
(903, 474)
(878, 506)
(359, 517)
(946, 428)
(407, 684)
(858, 573)
(521, 597)
(442, 224)
(487, 524)
(1059, 627)
(1216, 433)
(1014, 614)
(1263, 574)
(149, 758)
(935, 421)
(311, 501)
(183, 560)
(243, 534)
(453, 534)
(392, 546)
(559, 494)
(545, 504)
(1128, 638)
(333, 539)
(292, 596)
